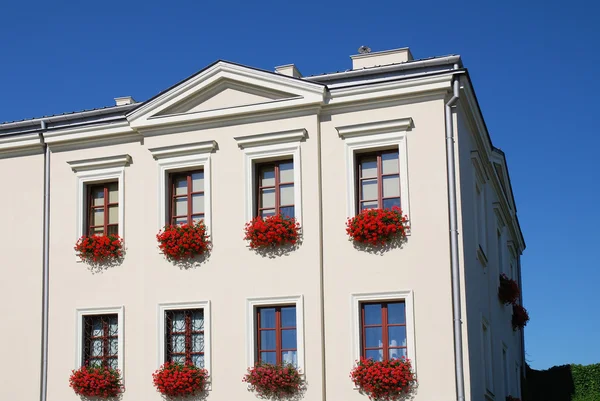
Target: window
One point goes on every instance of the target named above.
(103, 209)
(383, 326)
(184, 342)
(187, 197)
(275, 188)
(100, 337)
(480, 216)
(101, 341)
(383, 330)
(184, 333)
(500, 250)
(378, 180)
(505, 371)
(276, 337)
(275, 330)
(487, 357)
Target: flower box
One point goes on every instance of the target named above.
(508, 291)
(180, 380)
(511, 398)
(520, 317)
(272, 231)
(96, 381)
(184, 241)
(377, 226)
(99, 248)
(384, 380)
(274, 381)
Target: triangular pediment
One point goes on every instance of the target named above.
(223, 95)
(223, 90)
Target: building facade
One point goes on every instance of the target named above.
(224, 145)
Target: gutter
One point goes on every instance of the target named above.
(454, 262)
(45, 266)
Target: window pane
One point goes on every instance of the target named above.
(198, 181)
(178, 358)
(267, 318)
(97, 231)
(178, 322)
(288, 316)
(368, 205)
(268, 212)
(390, 203)
(113, 328)
(179, 221)
(267, 339)
(396, 314)
(113, 229)
(389, 163)
(98, 217)
(397, 336)
(267, 198)
(286, 194)
(368, 166)
(391, 186)
(268, 357)
(197, 218)
(373, 337)
(180, 185)
(113, 346)
(397, 353)
(178, 343)
(181, 207)
(376, 355)
(113, 363)
(372, 313)
(197, 320)
(113, 214)
(369, 190)
(286, 172)
(197, 342)
(113, 192)
(287, 211)
(198, 203)
(97, 196)
(97, 347)
(288, 339)
(289, 357)
(267, 176)
(198, 360)
(95, 362)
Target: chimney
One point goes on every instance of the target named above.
(384, 57)
(289, 69)
(122, 101)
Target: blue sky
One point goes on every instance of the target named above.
(534, 66)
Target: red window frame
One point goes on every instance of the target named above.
(278, 333)
(384, 329)
(379, 177)
(187, 332)
(189, 216)
(88, 339)
(105, 205)
(277, 187)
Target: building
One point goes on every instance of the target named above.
(216, 129)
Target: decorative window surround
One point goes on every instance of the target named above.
(181, 158)
(374, 136)
(99, 170)
(479, 188)
(263, 147)
(80, 313)
(251, 325)
(404, 295)
(486, 358)
(205, 306)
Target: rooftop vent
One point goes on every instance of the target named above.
(289, 69)
(366, 58)
(122, 101)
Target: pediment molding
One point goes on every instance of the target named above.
(100, 163)
(176, 106)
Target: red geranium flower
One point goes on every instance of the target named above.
(520, 317)
(273, 381)
(96, 381)
(99, 248)
(272, 231)
(377, 226)
(508, 292)
(384, 380)
(184, 241)
(179, 380)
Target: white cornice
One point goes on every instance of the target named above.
(271, 138)
(100, 163)
(182, 150)
(88, 133)
(377, 127)
(18, 144)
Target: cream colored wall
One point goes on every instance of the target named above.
(232, 274)
(481, 288)
(21, 284)
(422, 265)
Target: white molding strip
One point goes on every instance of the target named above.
(100, 163)
(271, 138)
(183, 150)
(377, 127)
